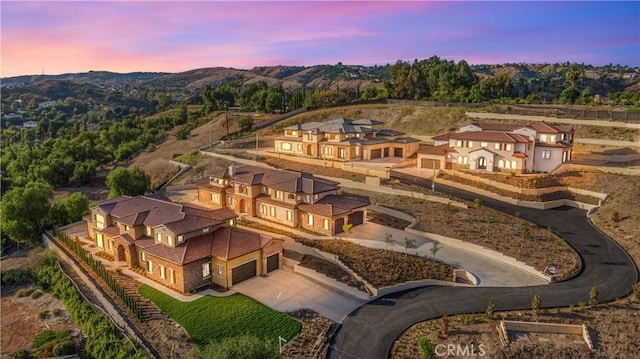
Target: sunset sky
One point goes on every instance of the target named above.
(173, 36)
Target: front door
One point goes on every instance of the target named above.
(121, 253)
(482, 163)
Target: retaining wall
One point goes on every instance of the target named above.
(323, 279)
(582, 330)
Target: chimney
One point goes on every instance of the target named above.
(232, 170)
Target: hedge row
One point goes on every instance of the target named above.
(99, 268)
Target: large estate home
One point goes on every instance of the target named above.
(182, 247)
(291, 198)
(519, 148)
(344, 139)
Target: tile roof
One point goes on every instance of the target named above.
(265, 198)
(151, 212)
(367, 121)
(497, 126)
(333, 205)
(387, 132)
(436, 150)
(406, 140)
(284, 180)
(559, 144)
(493, 136)
(544, 127)
(519, 154)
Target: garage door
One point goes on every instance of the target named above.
(429, 163)
(273, 262)
(376, 153)
(243, 272)
(356, 218)
(338, 226)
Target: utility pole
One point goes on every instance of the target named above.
(256, 159)
(211, 137)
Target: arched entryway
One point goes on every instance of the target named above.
(243, 206)
(482, 163)
(121, 256)
(309, 152)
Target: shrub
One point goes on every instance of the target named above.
(66, 347)
(44, 314)
(36, 294)
(15, 277)
(490, 307)
(48, 336)
(444, 325)
(240, 347)
(426, 347)
(593, 296)
(24, 292)
(636, 290)
(20, 354)
(615, 217)
(535, 304)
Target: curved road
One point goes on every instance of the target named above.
(369, 332)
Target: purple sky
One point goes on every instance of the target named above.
(175, 36)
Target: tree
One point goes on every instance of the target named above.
(244, 123)
(524, 231)
(346, 228)
(127, 182)
(477, 203)
(569, 95)
(490, 307)
(435, 247)
(24, 211)
(490, 220)
(240, 347)
(388, 240)
(85, 172)
(408, 243)
(535, 304)
(69, 209)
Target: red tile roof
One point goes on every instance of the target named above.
(490, 136)
(497, 126)
(334, 205)
(436, 150)
(519, 155)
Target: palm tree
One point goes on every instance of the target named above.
(435, 247)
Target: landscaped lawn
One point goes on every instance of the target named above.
(215, 318)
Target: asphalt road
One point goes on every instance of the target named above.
(369, 331)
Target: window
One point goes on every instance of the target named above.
(172, 276)
(458, 143)
(546, 154)
(150, 266)
(143, 256)
(470, 144)
(206, 230)
(543, 138)
(299, 147)
(291, 196)
(263, 209)
(498, 146)
(327, 150)
(126, 228)
(100, 221)
(279, 195)
(310, 219)
(206, 270)
(552, 138)
(215, 198)
(289, 216)
(110, 243)
(147, 231)
(162, 272)
(508, 148)
(513, 164)
(231, 222)
(501, 164)
(159, 237)
(325, 224)
(220, 270)
(483, 144)
(309, 137)
(285, 146)
(170, 240)
(180, 239)
(272, 211)
(341, 153)
(100, 240)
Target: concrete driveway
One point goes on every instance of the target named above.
(286, 291)
(490, 272)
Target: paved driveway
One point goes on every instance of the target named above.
(286, 291)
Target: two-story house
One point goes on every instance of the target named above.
(291, 198)
(345, 139)
(182, 247)
(537, 147)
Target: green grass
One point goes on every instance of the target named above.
(216, 318)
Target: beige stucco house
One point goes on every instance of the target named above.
(500, 147)
(344, 139)
(291, 198)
